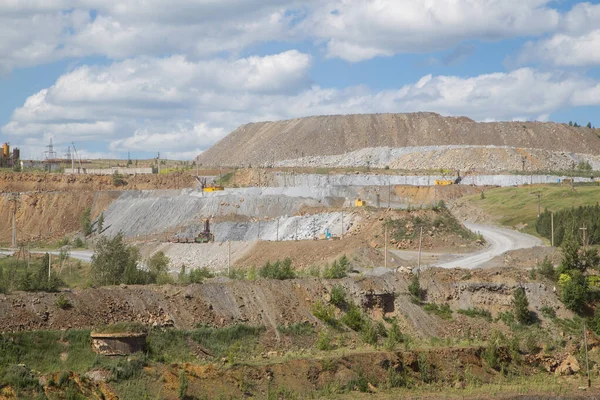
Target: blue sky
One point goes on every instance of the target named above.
(175, 77)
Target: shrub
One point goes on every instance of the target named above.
(546, 269)
(85, 222)
(354, 319)
(521, 304)
(369, 333)
(338, 296)
(325, 313)
(297, 329)
(415, 287)
(128, 368)
(476, 312)
(198, 275)
(324, 341)
(78, 243)
(548, 312)
(280, 270)
(114, 262)
(442, 311)
(394, 337)
(574, 292)
(62, 302)
(183, 385)
(338, 269)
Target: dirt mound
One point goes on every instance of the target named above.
(44, 217)
(44, 182)
(337, 134)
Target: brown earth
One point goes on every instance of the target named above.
(27, 182)
(272, 303)
(266, 142)
(364, 244)
(43, 217)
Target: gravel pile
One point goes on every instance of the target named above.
(153, 212)
(463, 158)
(268, 142)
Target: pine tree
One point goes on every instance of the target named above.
(521, 304)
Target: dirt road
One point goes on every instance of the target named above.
(500, 240)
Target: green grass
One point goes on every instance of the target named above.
(442, 311)
(519, 205)
(476, 312)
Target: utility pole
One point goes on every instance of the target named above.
(587, 362)
(552, 226)
(539, 196)
(14, 226)
(385, 247)
(420, 244)
(583, 230)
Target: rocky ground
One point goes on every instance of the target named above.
(339, 134)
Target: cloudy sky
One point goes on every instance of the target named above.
(143, 76)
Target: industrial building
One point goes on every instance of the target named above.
(8, 160)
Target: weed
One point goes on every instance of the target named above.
(62, 302)
(338, 269)
(338, 296)
(476, 313)
(325, 313)
(442, 311)
(354, 318)
(229, 340)
(369, 333)
(280, 270)
(324, 341)
(548, 312)
(394, 337)
(415, 287)
(183, 386)
(297, 329)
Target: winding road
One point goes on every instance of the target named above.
(500, 240)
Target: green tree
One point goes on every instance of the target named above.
(589, 125)
(574, 291)
(115, 262)
(100, 223)
(521, 306)
(415, 287)
(85, 222)
(570, 123)
(158, 267)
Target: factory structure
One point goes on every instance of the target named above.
(8, 159)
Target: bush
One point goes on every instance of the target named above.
(297, 329)
(338, 269)
(476, 312)
(325, 313)
(78, 243)
(369, 333)
(442, 311)
(85, 222)
(63, 303)
(574, 291)
(128, 368)
(521, 304)
(415, 287)
(338, 296)
(158, 267)
(280, 270)
(324, 341)
(354, 319)
(198, 275)
(394, 337)
(114, 262)
(546, 269)
(548, 312)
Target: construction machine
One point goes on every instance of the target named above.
(205, 236)
(210, 187)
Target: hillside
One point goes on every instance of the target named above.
(268, 142)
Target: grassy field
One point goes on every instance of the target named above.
(519, 205)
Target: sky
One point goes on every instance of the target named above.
(140, 77)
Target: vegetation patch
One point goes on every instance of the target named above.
(442, 311)
(476, 313)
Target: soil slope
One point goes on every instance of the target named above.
(267, 142)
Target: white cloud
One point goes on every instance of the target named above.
(575, 44)
(144, 103)
(180, 107)
(357, 30)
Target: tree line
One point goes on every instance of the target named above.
(567, 222)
